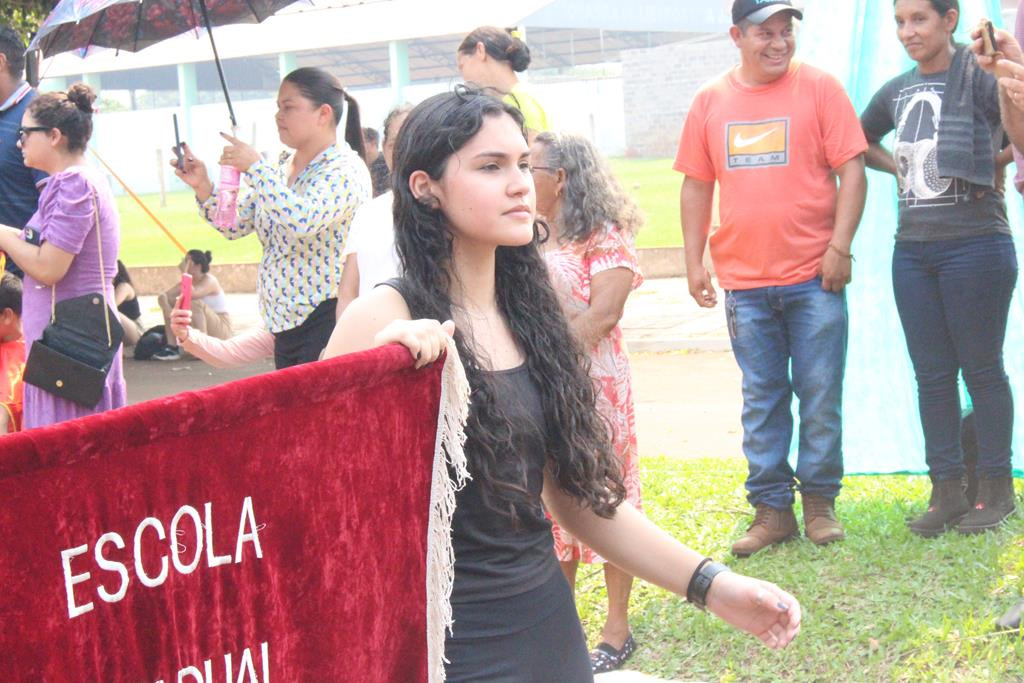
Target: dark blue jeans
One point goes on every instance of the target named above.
(953, 298)
(790, 340)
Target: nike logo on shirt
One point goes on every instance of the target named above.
(741, 142)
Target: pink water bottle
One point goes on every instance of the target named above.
(227, 197)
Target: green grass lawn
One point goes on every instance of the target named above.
(655, 188)
(143, 243)
(883, 605)
(653, 183)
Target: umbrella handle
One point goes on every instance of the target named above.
(216, 61)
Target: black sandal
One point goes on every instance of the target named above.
(604, 657)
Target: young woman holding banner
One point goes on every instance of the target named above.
(466, 234)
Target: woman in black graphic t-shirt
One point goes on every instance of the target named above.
(954, 264)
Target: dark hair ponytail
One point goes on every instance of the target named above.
(500, 44)
(70, 113)
(203, 259)
(354, 127)
(320, 87)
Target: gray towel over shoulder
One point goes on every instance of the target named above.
(967, 144)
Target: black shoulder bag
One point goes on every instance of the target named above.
(73, 358)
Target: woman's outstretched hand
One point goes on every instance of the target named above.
(425, 339)
(760, 608)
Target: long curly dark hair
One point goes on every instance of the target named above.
(577, 439)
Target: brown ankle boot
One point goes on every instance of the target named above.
(770, 526)
(820, 523)
(947, 507)
(991, 508)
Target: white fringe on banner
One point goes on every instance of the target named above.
(449, 460)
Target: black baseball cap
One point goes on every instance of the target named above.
(759, 11)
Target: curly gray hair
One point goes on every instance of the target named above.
(593, 196)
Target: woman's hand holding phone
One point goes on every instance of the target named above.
(181, 321)
(193, 173)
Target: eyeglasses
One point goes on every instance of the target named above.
(23, 131)
(549, 169)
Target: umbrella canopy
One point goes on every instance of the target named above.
(136, 24)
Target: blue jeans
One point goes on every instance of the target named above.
(953, 297)
(790, 340)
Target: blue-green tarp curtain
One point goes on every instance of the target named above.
(856, 41)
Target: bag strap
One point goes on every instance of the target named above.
(103, 282)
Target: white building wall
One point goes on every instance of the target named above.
(129, 141)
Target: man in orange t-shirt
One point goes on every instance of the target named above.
(776, 135)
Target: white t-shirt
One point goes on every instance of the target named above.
(372, 239)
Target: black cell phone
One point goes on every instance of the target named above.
(988, 38)
(177, 145)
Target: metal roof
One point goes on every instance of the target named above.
(351, 39)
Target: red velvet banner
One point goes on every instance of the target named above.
(271, 529)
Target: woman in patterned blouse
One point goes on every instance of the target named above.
(301, 208)
(593, 266)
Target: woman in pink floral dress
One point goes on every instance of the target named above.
(593, 265)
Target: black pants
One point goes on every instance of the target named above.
(304, 343)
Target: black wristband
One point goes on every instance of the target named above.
(700, 582)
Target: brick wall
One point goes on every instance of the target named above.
(658, 85)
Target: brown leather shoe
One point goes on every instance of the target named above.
(820, 523)
(770, 526)
(993, 505)
(946, 507)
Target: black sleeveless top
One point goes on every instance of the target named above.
(495, 556)
(131, 309)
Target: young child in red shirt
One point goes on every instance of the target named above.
(12, 354)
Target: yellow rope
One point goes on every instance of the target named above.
(139, 201)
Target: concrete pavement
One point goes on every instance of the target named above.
(660, 316)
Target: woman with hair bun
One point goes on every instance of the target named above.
(301, 208)
(209, 306)
(60, 250)
(490, 57)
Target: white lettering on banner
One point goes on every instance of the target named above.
(212, 559)
(140, 571)
(185, 557)
(71, 579)
(111, 566)
(248, 517)
(246, 672)
(177, 548)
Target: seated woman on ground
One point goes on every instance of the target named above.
(209, 305)
(128, 311)
(246, 347)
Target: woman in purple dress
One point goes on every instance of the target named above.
(59, 247)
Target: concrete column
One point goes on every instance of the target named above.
(93, 81)
(286, 63)
(188, 96)
(398, 55)
(57, 84)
